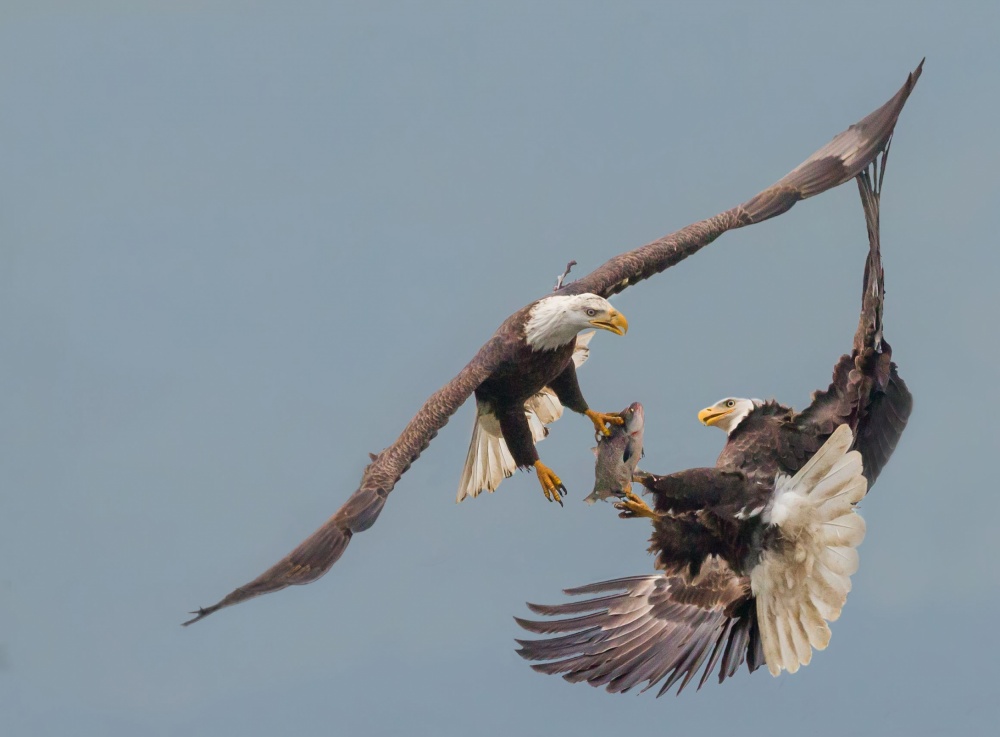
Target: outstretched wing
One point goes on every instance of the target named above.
(841, 159)
(882, 421)
(647, 628)
(866, 391)
(314, 556)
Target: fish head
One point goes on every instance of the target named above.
(635, 419)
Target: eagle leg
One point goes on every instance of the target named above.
(631, 506)
(600, 419)
(552, 486)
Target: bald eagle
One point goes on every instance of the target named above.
(529, 360)
(756, 552)
(529, 387)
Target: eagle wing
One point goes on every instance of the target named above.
(317, 553)
(647, 628)
(841, 159)
(866, 392)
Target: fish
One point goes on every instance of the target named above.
(617, 455)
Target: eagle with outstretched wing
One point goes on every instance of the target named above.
(526, 372)
(757, 552)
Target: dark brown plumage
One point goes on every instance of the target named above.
(718, 537)
(503, 355)
(521, 375)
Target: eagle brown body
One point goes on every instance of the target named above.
(714, 531)
(504, 370)
(519, 378)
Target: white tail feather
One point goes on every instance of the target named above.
(488, 461)
(803, 584)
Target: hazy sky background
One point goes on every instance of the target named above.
(240, 244)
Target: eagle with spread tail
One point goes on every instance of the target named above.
(526, 372)
(756, 552)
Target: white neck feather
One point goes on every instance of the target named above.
(731, 422)
(743, 408)
(550, 325)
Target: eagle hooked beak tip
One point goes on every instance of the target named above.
(615, 322)
(710, 415)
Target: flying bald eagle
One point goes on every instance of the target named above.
(529, 361)
(757, 552)
(529, 387)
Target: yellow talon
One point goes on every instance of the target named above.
(631, 506)
(552, 485)
(600, 419)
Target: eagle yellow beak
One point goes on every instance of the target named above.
(614, 321)
(710, 415)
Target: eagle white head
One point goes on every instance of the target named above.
(727, 413)
(554, 321)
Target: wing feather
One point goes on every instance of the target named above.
(667, 626)
(841, 159)
(866, 391)
(317, 553)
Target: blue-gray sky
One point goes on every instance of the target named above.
(240, 243)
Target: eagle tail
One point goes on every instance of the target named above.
(489, 461)
(803, 584)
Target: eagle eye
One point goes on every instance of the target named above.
(730, 403)
(591, 312)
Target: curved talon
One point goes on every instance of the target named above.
(631, 506)
(600, 419)
(552, 485)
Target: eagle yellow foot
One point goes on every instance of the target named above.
(552, 486)
(600, 419)
(631, 506)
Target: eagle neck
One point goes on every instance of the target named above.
(548, 327)
(739, 421)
